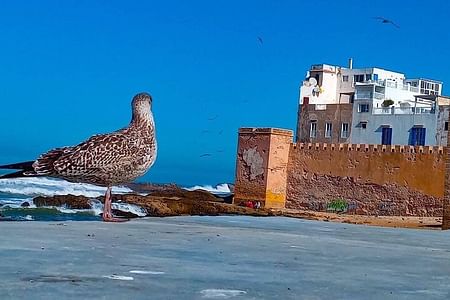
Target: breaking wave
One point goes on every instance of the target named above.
(223, 188)
(16, 199)
(50, 187)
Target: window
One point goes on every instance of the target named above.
(363, 125)
(313, 129)
(446, 126)
(386, 136)
(368, 77)
(363, 108)
(328, 128)
(345, 78)
(359, 78)
(375, 77)
(344, 130)
(417, 136)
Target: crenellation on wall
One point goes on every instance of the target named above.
(421, 167)
(373, 148)
(373, 179)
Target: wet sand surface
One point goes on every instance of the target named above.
(221, 257)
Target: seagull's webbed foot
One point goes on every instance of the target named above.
(110, 218)
(107, 212)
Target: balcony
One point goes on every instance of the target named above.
(368, 95)
(391, 84)
(403, 110)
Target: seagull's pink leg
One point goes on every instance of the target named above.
(107, 212)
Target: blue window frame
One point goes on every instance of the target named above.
(417, 136)
(386, 136)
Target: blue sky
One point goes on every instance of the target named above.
(68, 69)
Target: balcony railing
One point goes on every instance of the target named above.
(363, 95)
(403, 110)
(368, 95)
(377, 95)
(392, 84)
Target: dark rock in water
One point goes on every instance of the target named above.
(146, 188)
(227, 199)
(69, 201)
(177, 205)
(125, 214)
(25, 204)
(171, 202)
(199, 195)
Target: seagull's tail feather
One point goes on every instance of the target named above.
(13, 175)
(27, 165)
(26, 170)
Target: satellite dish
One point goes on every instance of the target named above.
(312, 81)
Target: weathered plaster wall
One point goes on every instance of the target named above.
(318, 191)
(261, 166)
(251, 165)
(277, 169)
(374, 179)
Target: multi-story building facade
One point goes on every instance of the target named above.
(369, 106)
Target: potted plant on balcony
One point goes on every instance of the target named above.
(387, 103)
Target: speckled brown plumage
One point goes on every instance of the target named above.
(106, 159)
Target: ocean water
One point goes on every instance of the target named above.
(14, 193)
(16, 199)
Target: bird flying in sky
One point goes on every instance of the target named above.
(386, 21)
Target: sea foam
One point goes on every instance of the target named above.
(39, 186)
(221, 293)
(218, 189)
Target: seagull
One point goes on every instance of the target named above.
(386, 21)
(105, 160)
(260, 40)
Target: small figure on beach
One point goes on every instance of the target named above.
(105, 159)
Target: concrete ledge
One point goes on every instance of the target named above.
(266, 130)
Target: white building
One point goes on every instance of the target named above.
(326, 84)
(376, 98)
